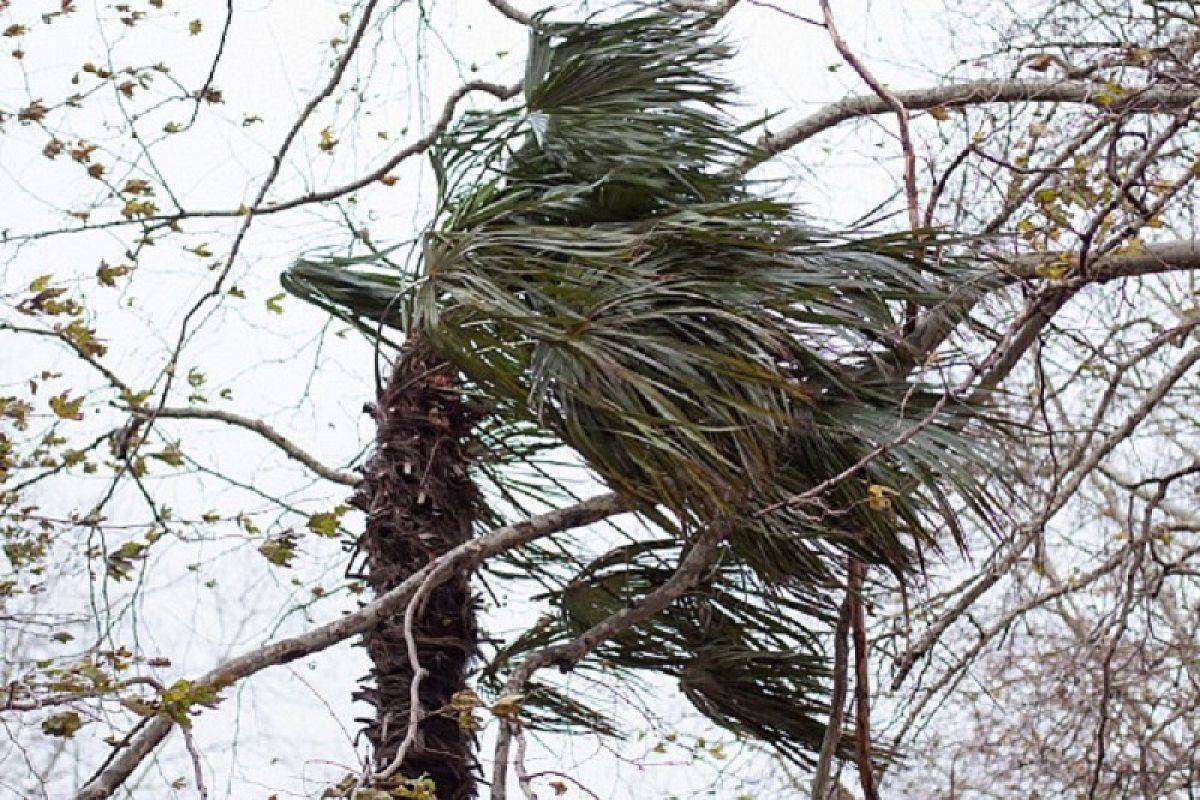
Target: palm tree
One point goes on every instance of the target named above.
(600, 278)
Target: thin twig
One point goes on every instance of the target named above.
(892, 102)
(190, 743)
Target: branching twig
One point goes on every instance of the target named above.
(1030, 531)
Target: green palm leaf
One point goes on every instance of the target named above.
(604, 280)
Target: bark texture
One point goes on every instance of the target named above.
(420, 503)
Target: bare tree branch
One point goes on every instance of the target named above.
(837, 702)
(1026, 535)
(892, 102)
(262, 429)
(1155, 99)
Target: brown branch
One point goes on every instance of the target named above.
(1151, 100)
(464, 557)
(257, 426)
(260, 208)
(934, 326)
(862, 681)
(415, 148)
(277, 160)
(837, 703)
(510, 11)
(892, 102)
(111, 377)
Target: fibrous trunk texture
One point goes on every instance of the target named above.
(420, 503)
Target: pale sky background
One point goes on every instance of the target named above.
(290, 729)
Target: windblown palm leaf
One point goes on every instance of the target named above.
(600, 273)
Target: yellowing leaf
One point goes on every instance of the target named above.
(83, 337)
(63, 724)
(171, 455)
(64, 407)
(1053, 270)
(879, 497)
(939, 113)
(107, 275)
(328, 142)
(195, 26)
(325, 523)
(279, 552)
(507, 706)
(138, 208)
(138, 186)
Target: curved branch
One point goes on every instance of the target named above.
(464, 557)
(973, 93)
(934, 326)
(415, 148)
(703, 551)
(891, 101)
(257, 426)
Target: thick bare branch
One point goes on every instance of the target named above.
(1156, 99)
(510, 11)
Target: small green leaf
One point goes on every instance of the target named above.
(64, 407)
(326, 522)
(170, 455)
(279, 552)
(64, 724)
(273, 303)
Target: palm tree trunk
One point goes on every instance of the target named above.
(420, 503)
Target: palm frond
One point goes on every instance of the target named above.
(603, 280)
